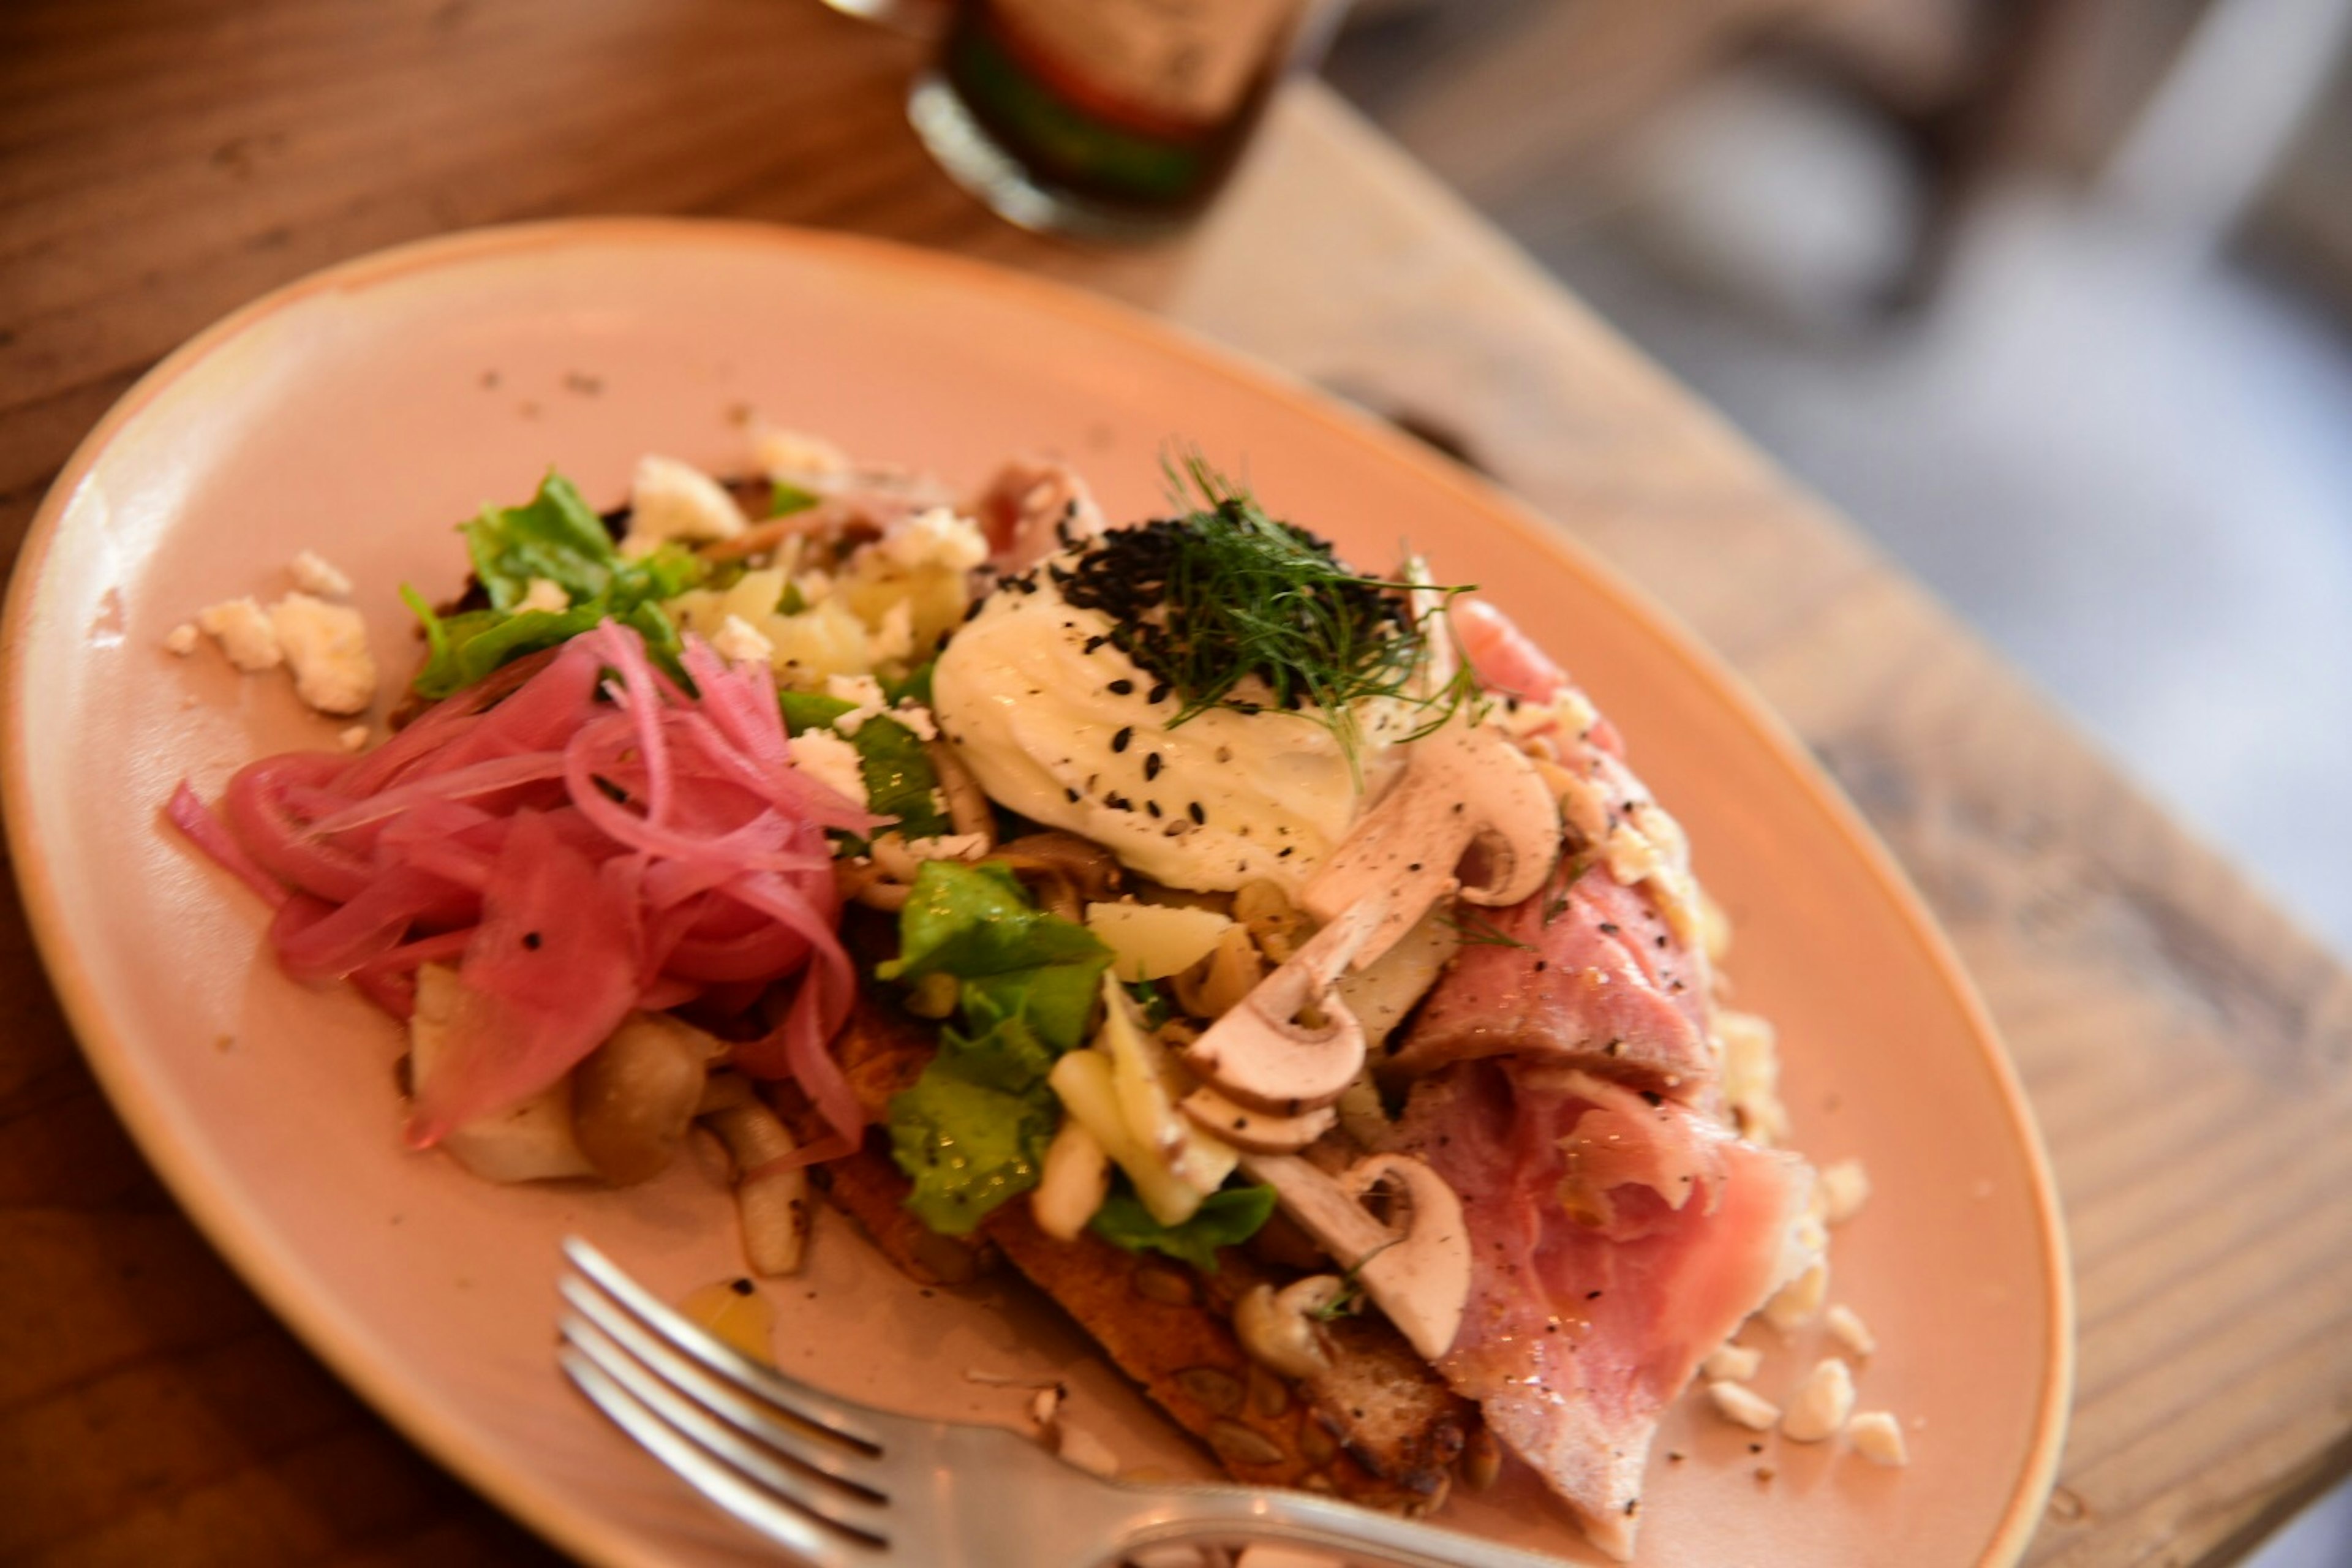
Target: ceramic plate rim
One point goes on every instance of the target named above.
(444, 1436)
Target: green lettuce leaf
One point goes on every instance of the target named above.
(1226, 1218)
(966, 1147)
(974, 921)
(974, 1130)
(900, 780)
(558, 537)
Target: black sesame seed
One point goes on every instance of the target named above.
(1199, 818)
(1122, 687)
(1119, 741)
(1151, 766)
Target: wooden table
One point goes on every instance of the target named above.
(2188, 1050)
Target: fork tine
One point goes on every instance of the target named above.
(844, 1418)
(794, 1531)
(856, 1515)
(842, 1463)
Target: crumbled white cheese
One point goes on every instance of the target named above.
(934, 538)
(816, 585)
(1731, 1363)
(314, 575)
(831, 761)
(863, 693)
(740, 642)
(1629, 856)
(1748, 1049)
(545, 594)
(354, 738)
(1738, 1403)
(327, 647)
(918, 719)
(895, 638)
(1087, 1451)
(858, 691)
(673, 500)
(1876, 1436)
(1819, 1408)
(182, 639)
(1045, 1407)
(1571, 710)
(797, 455)
(1845, 1187)
(1847, 1327)
(1795, 1303)
(242, 630)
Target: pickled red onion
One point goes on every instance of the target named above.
(582, 844)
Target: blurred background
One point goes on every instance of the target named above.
(2055, 298)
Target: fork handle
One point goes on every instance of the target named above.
(1190, 1515)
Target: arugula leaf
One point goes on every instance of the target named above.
(556, 536)
(915, 686)
(784, 499)
(974, 1130)
(897, 771)
(1226, 1218)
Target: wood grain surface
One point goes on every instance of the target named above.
(2189, 1051)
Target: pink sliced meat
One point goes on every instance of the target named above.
(1615, 1243)
(1034, 507)
(1586, 972)
(1589, 972)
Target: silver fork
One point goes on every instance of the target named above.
(840, 1485)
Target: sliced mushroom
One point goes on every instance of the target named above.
(771, 1199)
(968, 807)
(1219, 983)
(1259, 1132)
(633, 1096)
(1279, 1328)
(1471, 815)
(1066, 871)
(1419, 1274)
(1262, 1055)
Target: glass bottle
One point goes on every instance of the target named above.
(1107, 119)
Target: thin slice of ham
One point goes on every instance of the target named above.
(1579, 975)
(1614, 1242)
(1589, 972)
(1034, 507)
(585, 837)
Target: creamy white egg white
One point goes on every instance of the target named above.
(1060, 726)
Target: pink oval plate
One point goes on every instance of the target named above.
(364, 411)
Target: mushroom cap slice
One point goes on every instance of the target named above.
(1469, 799)
(1418, 1274)
(1261, 1056)
(1259, 1131)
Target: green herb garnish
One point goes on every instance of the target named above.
(1478, 930)
(1234, 609)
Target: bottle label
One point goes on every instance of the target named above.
(1182, 64)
